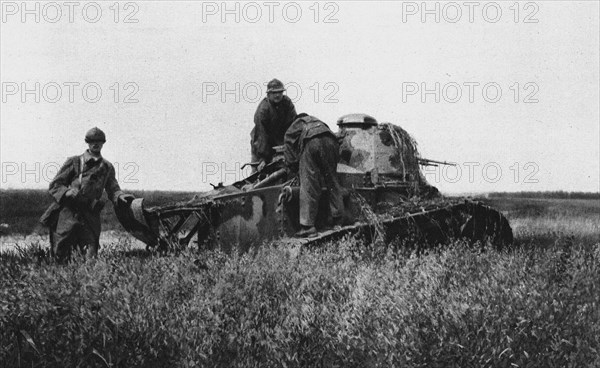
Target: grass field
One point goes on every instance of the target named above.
(345, 305)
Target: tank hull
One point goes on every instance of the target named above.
(242, 221)
(386, 198)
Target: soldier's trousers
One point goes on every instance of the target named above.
(75, 230)
(318, 167)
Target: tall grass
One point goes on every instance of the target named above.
(538, 222)
(341, 306)
(345, 305)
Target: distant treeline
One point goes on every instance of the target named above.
(560, 194)
(22, 208)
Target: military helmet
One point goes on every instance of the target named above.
(275, 85)
(95, 135)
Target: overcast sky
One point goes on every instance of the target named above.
(517, 86)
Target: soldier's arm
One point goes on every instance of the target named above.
(292, 113)
(291, 159)
(291, 142)
(61, 182)
(112, 186)
(260, 139)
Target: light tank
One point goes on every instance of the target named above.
(386, 198)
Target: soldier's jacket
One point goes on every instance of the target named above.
(98, 175)
(299, 133)
(312, 147)
(270, 124)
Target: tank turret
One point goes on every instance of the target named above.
(379, 155)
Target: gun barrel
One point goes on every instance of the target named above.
(428, 162)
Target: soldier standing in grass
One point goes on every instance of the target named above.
(272, 118)
(74, 217)
(311, 147)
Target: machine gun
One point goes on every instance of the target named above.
(428, 162)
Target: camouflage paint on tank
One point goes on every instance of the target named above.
(356, 149)
(246, 219)
(401, 155)
(383, 150)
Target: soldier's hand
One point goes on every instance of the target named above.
(261, 165)
(72, 193)
(126, 198)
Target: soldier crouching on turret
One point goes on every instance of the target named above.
(74, 217)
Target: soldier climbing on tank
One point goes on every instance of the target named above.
(74, 216)
(312, 148)
(272, 118)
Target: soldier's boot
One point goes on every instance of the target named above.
(89, 243)
(307, 232)
(62, 245)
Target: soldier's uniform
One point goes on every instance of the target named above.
(79, 218)
(311, 145)
(271, 120)
(74, 221)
